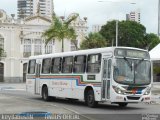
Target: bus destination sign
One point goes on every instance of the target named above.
(131, 53)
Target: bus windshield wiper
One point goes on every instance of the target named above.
(128, 63)
(135, 67)
(138, 63)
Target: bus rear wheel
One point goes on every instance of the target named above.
(122, 104)
(90, 99)
(45, 96)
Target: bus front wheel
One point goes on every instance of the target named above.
(90, 100)
(45, 94)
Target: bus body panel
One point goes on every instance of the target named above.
(68, 89)
(30, 86)
(73, 85)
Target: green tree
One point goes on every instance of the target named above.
(93, 40)
(60, 29)
(150, 41)
(130, 33)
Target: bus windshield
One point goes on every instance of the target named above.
(132, 71)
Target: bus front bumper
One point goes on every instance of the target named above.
(131, 98)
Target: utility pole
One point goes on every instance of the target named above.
(116, 33)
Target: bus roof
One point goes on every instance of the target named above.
(82, 52)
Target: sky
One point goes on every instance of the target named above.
(100, 12)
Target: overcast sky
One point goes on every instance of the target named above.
(100, 12)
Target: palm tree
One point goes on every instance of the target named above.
(60, 29)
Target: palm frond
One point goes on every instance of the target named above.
(71, 19)
(60, 30)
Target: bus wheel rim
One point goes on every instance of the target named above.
(45, 95)
(90, 99)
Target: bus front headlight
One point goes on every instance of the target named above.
(119, 90)
(147, 92)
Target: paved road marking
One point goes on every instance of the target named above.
(86, 117)
(5, 88)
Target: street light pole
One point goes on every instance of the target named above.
(116, 33)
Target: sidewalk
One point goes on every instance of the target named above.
(13, 86)
(155, 93)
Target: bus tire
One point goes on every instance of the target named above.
(90, 100)
(45, 96)
(122, 104)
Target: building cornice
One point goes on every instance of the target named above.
(38, 16)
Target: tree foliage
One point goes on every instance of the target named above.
(93, 40)
(60, 29)
(150, 41)
(130, 34)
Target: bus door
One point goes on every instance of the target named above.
(37, 79)
(106, 78)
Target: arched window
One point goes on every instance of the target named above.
(27, 48)
(1, 42)
(49, 47)
(37, 47)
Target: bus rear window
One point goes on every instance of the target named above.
(31, 66)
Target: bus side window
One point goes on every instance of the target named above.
(56, 65)
(46, 65)
(79, 64)
(31, 66)
(94, 63)
(67, 64)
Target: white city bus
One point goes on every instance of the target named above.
(119, 75)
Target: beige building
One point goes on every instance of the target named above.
(96, 28)
(23, 38)
(134, 16)
(30, 7)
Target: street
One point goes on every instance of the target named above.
(18, 101)
(80, 59)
